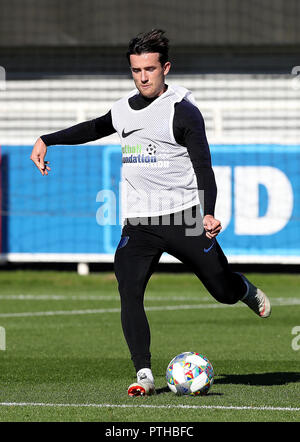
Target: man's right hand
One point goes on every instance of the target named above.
(38, 155)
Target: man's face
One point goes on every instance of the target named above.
(148, 73)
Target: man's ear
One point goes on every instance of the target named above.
(167, 67)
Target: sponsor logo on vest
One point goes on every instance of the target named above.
(126, 134)
(132, 149)
(139, 159)
(134, 155)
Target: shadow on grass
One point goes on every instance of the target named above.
(167, 390)
(275, 378)
(48, 370)
(163, 390)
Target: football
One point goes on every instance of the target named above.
(190, 373)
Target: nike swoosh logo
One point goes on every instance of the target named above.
(126, 134)
(209, 248)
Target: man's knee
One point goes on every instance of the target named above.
(131, 288)
(224, 289)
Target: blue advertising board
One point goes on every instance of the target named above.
(75, 209)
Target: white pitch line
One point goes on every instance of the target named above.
(96, 298)
(59, 312)
(168, 407)
(53, 297)
(281, 303)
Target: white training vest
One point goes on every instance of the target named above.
(157, 174)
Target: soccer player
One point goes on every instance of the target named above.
(169, 194)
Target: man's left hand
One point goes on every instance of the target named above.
(212, 226)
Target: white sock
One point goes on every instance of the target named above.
(147, 372)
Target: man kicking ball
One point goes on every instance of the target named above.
(169, 195)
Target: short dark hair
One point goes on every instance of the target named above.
(152, 41)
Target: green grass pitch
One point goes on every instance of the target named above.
(66, 358)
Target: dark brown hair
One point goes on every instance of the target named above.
(153, 41)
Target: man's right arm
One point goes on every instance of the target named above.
(78, 134)
(82, 133)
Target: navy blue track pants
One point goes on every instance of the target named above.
(142, 243)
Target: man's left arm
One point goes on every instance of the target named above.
(189, 131)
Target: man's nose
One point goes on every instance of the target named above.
(144, 77)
